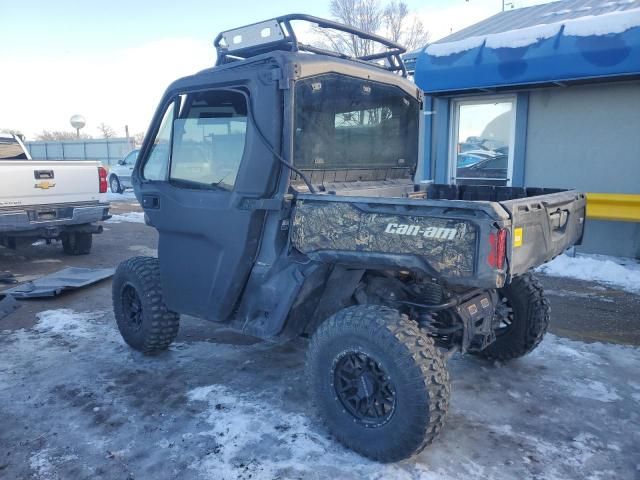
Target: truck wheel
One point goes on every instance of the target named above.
(77, 243)
(144, 321)
(114, 184)
(524, 312)
(380, 384)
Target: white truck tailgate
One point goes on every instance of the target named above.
(32, 182)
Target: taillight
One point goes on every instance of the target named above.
(102, 179)
(498, 244)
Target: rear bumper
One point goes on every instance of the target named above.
(49, 221)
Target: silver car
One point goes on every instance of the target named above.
(120, 175)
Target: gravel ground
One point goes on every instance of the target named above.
(76, 402)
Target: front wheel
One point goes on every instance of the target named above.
(524, 314)
(144, 321)
(380, 384)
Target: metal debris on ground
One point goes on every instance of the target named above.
(67, 279)
(7, 277)
(8, 304)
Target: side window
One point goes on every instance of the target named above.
(156, 166)
(131, 158)
(209, 140)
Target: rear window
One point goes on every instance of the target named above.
(346, 123)
(10, 149)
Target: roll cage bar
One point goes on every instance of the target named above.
(278, 34)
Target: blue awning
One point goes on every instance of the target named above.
(489, 63)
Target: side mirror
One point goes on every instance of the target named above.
(120, 162)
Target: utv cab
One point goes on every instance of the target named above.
(281, 182)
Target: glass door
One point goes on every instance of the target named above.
(482, 133)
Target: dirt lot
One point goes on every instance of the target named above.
(76, 402)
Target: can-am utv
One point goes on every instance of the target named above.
(281, 184)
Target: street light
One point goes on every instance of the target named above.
(77, 122)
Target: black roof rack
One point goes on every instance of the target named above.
(278, 34)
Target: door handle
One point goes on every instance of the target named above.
(559, 219)
(43, 174)
(150, 201)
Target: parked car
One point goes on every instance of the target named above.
(491, 170)
(51, 200)
(472, 157)
(120, 175)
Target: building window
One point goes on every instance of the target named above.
(482, 133)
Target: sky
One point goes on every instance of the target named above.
(110, 61)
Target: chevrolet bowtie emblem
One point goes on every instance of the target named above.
(45, 185)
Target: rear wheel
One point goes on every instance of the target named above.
(114, 184)
(77, 243)
(379, 383)
(144, 321)
(524, 314)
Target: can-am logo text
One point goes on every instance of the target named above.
(438, 233)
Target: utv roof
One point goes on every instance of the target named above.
(278, 34)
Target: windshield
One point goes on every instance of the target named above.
(10, 149)
(348, 123)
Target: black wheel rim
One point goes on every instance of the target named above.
(364, 389)
(505, 313)
(132, 307)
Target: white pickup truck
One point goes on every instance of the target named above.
(52, 200)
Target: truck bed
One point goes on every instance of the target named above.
(31, 182)
(453, 234)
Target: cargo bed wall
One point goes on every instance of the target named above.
(545, 221)
(544, 227)
(445, 239)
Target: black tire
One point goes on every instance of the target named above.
(114, 184)
(144, 321)
(77, 243)
(404, 357)
(527, 320)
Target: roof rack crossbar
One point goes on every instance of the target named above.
(278, 34)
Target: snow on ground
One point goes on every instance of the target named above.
(588, 25)
(144, 250)
(126, 196)
(133, 217)
(67, 322)
(612, 271)
(77, 402)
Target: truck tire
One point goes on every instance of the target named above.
(526, 318)
(77, 243)
(379, 383)
(114, 184)
(143, 319)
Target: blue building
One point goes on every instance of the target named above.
(540, 96)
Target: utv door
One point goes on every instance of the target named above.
(192, 186)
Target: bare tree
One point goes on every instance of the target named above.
(403, 27)
(393, 20)
(366, 15)
(12, 131)
(57, 135)
(138, 138)
(106, 131)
